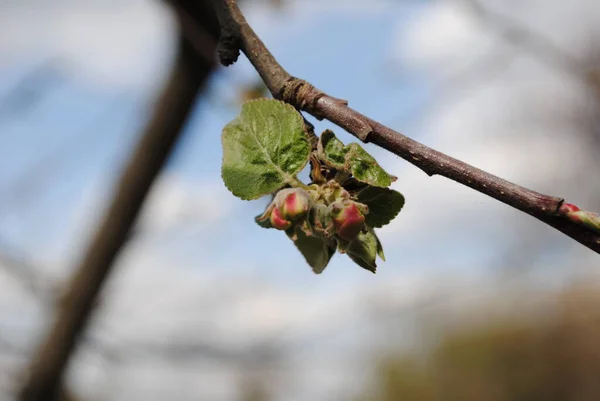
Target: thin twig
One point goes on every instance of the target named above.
(237, 35)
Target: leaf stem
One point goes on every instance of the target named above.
(296, 183)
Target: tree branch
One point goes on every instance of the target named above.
(237, 35)
(188, 75)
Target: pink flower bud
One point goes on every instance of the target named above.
(567, 208)
(348, 220)
(277, 220)
(293, 203)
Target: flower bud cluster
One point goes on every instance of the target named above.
(293, 206)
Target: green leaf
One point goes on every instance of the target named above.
(262, 221)
(263, 148)
(315, 250)
(364, 249)
(365, 168)
(332, 151)
(379, 247)
(320, 220)
(353, 159)
(384, 205)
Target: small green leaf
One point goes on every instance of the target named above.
(263, 148)
(363, 250)
(352, 159)
(331, 150)
(365, 168)
(384, 205)
(315, 250)
(264, 219)
(379, 247)
(321, 221)
(261, 221)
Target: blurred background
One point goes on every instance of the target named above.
(476, 301)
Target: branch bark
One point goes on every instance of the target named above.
(236, 35)
(188, 75)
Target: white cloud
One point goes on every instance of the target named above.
(442, 32)
(152, 301)
(176, 200)
(124, 44)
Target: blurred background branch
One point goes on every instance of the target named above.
(190, 71)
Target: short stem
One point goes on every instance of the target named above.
(296, 183)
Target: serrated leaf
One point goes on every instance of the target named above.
(331, 150)
(363, 250)
(263, 148)
(365, 168)
(315, 250)
(352, 159)
(384, 205)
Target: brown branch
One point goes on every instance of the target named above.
(237, 35)
(188, 75)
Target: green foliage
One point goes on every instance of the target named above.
(352, 159)
(265, 148)
(316, 251)
(364, 249)
(384, 205)
(332, 151)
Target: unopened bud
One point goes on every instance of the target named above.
(293, 203)
(348, 220)
(277, 220)
(582, 217)
(567, 208)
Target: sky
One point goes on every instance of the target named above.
(200, 271)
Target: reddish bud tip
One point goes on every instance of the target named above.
(293, 203)
(576, 215)
(277, 220)
(567, 208)
(348, 220)
(295, 206)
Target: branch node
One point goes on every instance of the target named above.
(363, 133)
(558, 207)
(302, 95)
(341, 102)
